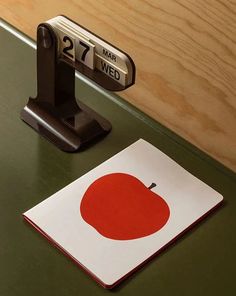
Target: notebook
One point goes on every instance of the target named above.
(114, 218)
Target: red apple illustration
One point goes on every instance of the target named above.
(119, 206)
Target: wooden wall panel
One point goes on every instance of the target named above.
(185, 53)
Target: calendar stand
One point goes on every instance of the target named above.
(55, 113)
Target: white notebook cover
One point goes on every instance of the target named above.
(113, 219)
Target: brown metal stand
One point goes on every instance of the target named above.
(54, 113)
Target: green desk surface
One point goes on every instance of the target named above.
(202, 262)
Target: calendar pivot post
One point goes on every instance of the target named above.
(55, 113)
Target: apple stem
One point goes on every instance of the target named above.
(152, 186)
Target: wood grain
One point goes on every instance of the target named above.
(185, 53)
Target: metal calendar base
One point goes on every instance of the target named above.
(70, 133)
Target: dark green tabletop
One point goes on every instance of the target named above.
(202, 262)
